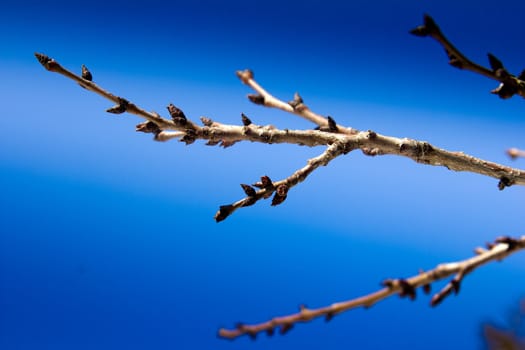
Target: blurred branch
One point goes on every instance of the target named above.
(339, 140)
(515, 153)
(509, 84)
(509, 337)
(497, 251)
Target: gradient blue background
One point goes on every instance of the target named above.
(107, 239)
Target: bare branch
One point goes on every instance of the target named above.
(296, 106)
(509, 84)
(339, 140)
(280, 188)
(499, 250)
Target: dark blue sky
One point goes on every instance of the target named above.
(107, 239)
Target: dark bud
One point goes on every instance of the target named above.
(177, 115)
(252, 335)
(427, 288)
(265, 183)
(332, 125)
(256, 98)
(285, 328)
(455, 62)
(329, 316)
(245, 120)
(511, 242)
(212, 142)
(495, 64)
(420, 31)
(148, 127)
(86, 74)
(43, 59)
(270, 332)
(505, 90)
(280, 194)
(206, 121)
(120, 107)
(189, 137)
(429, 27)
(504, 182)
(226, 144)
(407, 290)
(389, 283)
(297, 100)
(223, 212)
(249, 190)
(456, 284)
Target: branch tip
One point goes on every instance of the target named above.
(245, 75)
(86, 74)
(206, 121)
(223, 212)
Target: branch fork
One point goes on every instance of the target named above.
(337, 140)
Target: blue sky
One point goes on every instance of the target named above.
(107, 239)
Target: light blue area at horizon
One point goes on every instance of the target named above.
(107, 238)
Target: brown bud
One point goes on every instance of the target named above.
(256, 98)
(177, 115)
(86, 74)
(280, 194)
(245, 120)
(249, 190)
(120, 108)
(332, 125)
(223, 212)
(285, 328)
(148, 127)
(297, 101)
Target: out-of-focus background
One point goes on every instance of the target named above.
(107, 238)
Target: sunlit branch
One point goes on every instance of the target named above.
(329, 134)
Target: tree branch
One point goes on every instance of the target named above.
(497, 251)
(509, 84)
(339, 140)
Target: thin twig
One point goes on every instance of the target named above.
(280, 188)
(499, 250)
(333, 136)
(510, 84)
